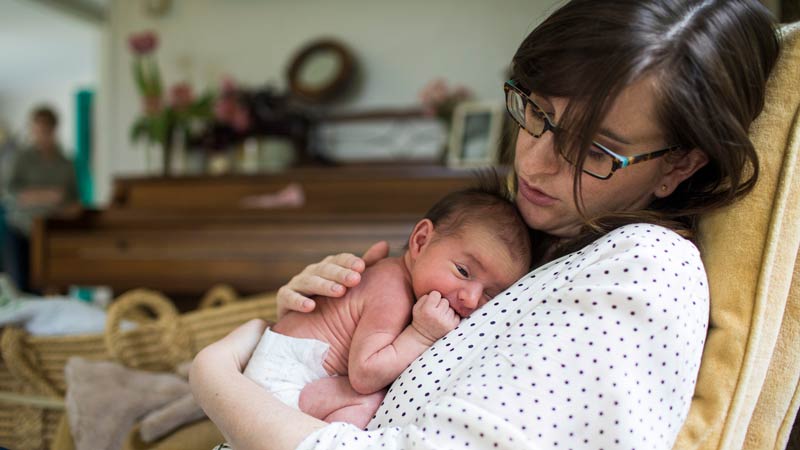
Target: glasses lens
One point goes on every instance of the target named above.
(597, 162)
(516, 106)
(525, 113)
(534, 119)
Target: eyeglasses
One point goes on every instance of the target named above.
(600, 162)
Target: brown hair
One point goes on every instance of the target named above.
(45, 115)
(711, 60)
(487, 203)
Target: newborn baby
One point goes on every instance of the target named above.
(470, 246)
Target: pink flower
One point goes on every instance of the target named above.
(462, 93)
(228, 85)
(438, 99)
(241, 119)
(143, 43)
(181, 95)
(433, 92)
(224, 108)
(151, 105)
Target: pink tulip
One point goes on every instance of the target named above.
(151, 105)
(181, 95)
(241, 119)
(462, 93)
(438, 99)
(228, 85)
(143, 43)
(224, 108)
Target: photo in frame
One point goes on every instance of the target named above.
(475, 134)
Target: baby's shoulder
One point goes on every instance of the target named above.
(386, 278)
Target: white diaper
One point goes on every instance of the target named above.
(284, 365)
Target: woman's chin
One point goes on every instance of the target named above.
(548, 220)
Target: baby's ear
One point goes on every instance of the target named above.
(420, 237)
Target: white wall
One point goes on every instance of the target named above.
(47, 56)
(400, 45)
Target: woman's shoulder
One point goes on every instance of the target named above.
(645, 249)
(651, 234)
(643, 240)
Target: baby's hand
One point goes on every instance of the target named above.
(433, 317)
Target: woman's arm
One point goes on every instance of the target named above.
(330, 277)
(248, 416)
(597, 350)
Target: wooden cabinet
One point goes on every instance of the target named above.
(345, 190)
(183, 235)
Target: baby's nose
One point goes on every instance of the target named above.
(471, 295)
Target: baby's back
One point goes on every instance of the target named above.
(334, 320)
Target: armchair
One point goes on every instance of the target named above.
(747, 391)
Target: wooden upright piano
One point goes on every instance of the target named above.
(182, 235)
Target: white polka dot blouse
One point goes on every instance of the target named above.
(597, 350)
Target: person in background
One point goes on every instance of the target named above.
(41, 183)
(8, 152)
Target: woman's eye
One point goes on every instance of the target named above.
(533, 111)
(462, 271)
(596, 154)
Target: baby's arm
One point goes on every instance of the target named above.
(384, 345)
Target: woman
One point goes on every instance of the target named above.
(633, 120)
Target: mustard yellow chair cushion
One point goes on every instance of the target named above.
(746, 395)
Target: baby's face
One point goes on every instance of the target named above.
(468, 268)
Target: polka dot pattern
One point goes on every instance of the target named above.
(597, 350)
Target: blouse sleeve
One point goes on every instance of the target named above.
(599, 349)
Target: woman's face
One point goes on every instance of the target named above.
(545, 194)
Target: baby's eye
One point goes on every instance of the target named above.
(464, 273)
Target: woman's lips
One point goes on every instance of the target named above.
(534, 195)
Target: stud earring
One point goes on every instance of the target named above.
(664, 187)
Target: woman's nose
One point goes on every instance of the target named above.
(537, 155)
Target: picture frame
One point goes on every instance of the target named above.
(475, 134)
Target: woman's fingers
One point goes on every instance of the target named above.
(330, 277)
(346, 261)
(377, 252)
(338, 271)
(289, 300)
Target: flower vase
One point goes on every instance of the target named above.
(445, 125)
(178, 163)
(221, 163)
(166, 158)
(152, 159)
(195, 161)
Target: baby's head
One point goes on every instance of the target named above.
(471, 245)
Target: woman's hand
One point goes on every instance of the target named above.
(330, 277)
(246, 414)
(234, 350)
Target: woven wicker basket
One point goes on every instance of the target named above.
(32, 385)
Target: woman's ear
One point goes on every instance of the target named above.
(420, 237)
(678, 168)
